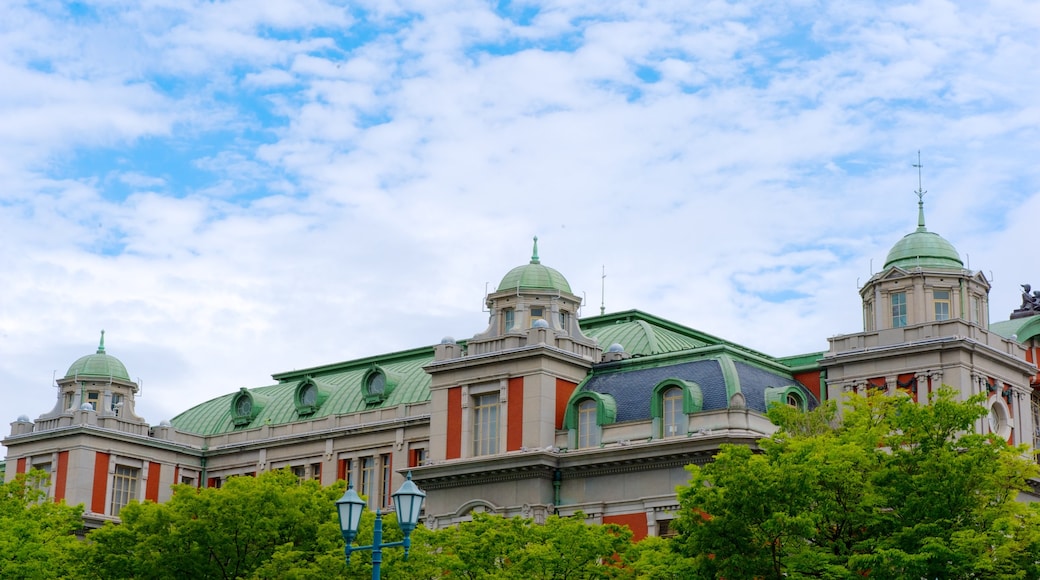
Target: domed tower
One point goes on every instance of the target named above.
(924, 280)
(97, 382)
(925, 325)
(532, 296)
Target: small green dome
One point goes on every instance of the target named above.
(98, 365)
(534, 276)
(924, 249)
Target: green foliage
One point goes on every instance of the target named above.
(37, 535)
(269, 526)
(497, 547)
(897, 490)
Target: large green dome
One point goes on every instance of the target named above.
(534, 276)
(923, 249)
(98, 365)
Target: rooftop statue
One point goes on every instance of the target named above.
(1030, 303)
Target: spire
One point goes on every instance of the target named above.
(920, 195)
(534, 254)
(101, 346)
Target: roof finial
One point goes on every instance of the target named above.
(920, 194)
(101, 345)
(534, 254)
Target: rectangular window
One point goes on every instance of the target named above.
(941, 298)
(117, 404)
(898, 309)
(564, 320)
(214, 482)
(387, 479)
(485, 424)
(187, 480)
(124, 487)
(92, 398)
(368, 476)
(68, 400)
(299, 471)
(45, 480)
(537, 314)
(510, 319)
(868, 316)
(316, 471)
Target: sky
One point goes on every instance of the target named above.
(232, 189)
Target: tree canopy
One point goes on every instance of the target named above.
(896, 489)
(37, 537)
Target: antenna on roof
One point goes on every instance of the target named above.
(603, 292)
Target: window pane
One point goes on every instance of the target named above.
(673, 420)
(899, 310)
(387, 480)
(485, 424)
(124, 487)
(588, 430)
(942, 304)
(368, 475)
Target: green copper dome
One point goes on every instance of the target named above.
(534, 276)
(98, 365)
(922, 248)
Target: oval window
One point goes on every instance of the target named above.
(309, 395)
(376, 384)
(243, 406)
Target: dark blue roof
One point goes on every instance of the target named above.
(633, 389)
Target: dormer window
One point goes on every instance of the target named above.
(510, 319)
(377, 385)
(790, 395)
(245, 406)
(310, 394)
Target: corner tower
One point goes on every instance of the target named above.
(924, 280)
(505, 391)
(926, 324)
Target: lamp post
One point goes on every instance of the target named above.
(407, 501)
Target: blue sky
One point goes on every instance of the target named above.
(234, 189)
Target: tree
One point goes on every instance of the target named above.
(895, 490)
(269, 526)
(37, 536)
(495, 547)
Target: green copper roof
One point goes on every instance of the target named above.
(345, 393)
(924, 249)
(640, 337)
(643, 334)
(1022, 329)
(534, 276)
(98, 365)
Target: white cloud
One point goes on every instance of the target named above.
(236, 189)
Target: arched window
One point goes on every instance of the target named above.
(587, 414)
(673, 419)
(674, 400)
(588, 428)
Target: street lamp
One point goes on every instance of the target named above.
(407, 501)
